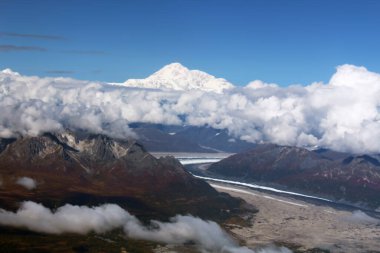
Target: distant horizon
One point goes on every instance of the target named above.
(282, 42)
(67, 75)
(341, 115)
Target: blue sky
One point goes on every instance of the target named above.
(279, 41)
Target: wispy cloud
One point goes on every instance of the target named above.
(96, 71)
(12, 48)
(27, 182)
(206, 235)
(32, 36)
(84, 52)
(58, 71)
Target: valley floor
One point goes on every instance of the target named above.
(291, 221)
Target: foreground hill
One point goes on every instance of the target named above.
(86, 169)
(341, 176)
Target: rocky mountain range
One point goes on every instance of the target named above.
(89, 169)
(166, 138)
(338, 176)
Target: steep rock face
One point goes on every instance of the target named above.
(320, 172)
(82, 168)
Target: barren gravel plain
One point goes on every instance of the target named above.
(304, 225)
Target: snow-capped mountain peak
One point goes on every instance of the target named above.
(177, 77)
(170, 70)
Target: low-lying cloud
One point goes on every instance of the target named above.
(361, 217)
(66, 219)
(207, 235)
(27, 182)
(182, 229)
(343, 114)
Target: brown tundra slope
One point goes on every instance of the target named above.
(339, 176)
(87, 169)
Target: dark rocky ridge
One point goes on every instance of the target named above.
(325, 173)
(166, 138)
(87, 169)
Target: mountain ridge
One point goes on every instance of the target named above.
(329, 174)
(182, 138)
(89, 169)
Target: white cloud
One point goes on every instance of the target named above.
(343, 115)
(182, 229)
(207, 235)
(258, 84)
(361, 217)
(27, 182)
(66, 219)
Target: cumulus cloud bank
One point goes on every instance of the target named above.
(343, 114)
(27, 182)
(207, 235)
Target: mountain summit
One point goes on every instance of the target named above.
(177, 77)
